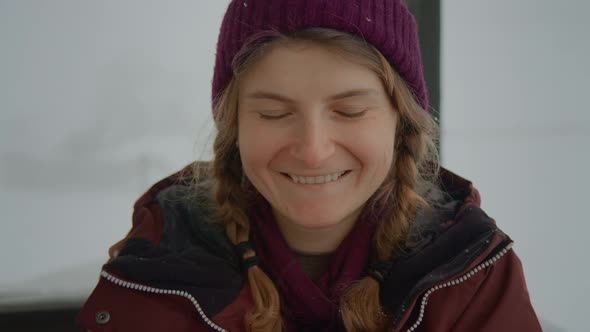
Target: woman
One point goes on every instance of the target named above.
(324, 208)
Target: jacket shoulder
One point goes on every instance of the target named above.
(490, 297)
(175, 261)
(458, 272)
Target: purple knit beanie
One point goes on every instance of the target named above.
(386, 24)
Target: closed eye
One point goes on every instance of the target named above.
(266, 116)
(352, 115)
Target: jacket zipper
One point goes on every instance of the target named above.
(455, 282)
(148, 289)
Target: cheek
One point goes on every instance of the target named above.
(375, 149)
(257, 148)
(381, 159)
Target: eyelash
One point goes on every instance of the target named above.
(273, 117)
(353, 115)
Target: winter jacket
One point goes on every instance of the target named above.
(177, 271)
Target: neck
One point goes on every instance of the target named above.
(315, 240)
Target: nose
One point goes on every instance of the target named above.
(313, 142)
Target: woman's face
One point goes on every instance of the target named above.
(316, 133)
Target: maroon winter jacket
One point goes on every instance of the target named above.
(177, 271)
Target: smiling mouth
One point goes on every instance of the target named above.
(321, 179)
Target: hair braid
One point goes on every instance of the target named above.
(231, 207)
(360, 306)
(406, 200)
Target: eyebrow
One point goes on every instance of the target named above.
(287, 100)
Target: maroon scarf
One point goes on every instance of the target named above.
(305, 304)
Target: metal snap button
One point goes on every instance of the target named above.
(102, 317)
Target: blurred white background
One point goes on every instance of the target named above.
(98, 100)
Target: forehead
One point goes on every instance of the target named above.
(307, 70)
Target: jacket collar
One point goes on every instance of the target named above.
(442, 242)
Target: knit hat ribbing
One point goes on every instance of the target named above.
(386, 24)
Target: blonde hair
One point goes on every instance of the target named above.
(415, 166)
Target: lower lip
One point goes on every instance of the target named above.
(344, 175)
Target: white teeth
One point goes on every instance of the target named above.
(316, 179)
